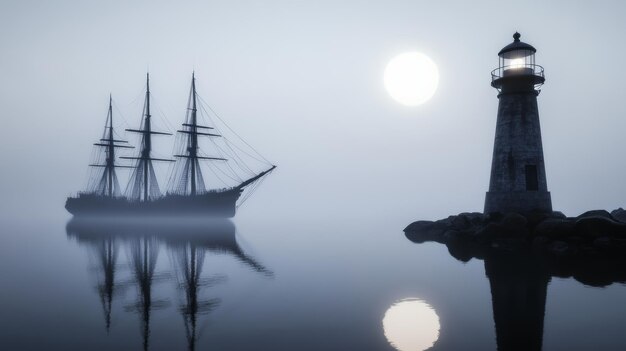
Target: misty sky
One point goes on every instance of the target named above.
(302, 82)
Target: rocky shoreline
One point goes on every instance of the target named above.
(590, 247)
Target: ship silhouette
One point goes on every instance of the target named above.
(188, 193)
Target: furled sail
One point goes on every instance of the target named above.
(103, 180)
(143, 184)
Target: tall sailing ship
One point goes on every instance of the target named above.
(188, 193)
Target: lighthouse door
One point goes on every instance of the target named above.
(532, 183)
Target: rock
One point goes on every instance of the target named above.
(591, 248)
(596, 213)
(619, 215)
(462, 251)
(559, 248)
(446, 221)
(451, 234)
(618, 244)
(420, 226)
(602, 243)
(422, 231)
(588, 250)
(557, 215)
(540, 242)
(592, 234)
(475, 218)
(489, 232)
(467, 220)
(595, 226)
(514, 220)
(575, 240)
(518, 232)
(494, 217)
(555, 228)
(460, 222)
(493, 231)
(533, 218)
(509, 243)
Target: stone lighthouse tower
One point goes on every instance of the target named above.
(518, 175)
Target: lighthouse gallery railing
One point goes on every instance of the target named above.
(515, 70)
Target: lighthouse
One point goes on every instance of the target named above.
(518, 175)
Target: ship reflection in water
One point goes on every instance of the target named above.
(187, 243)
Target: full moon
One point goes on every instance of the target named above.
(411, 78)
(411, 325)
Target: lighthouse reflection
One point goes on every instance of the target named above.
(518, 281)
(519, 285)
(187, 244)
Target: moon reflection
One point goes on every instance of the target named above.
(411, 325)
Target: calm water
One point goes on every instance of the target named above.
(273, 284)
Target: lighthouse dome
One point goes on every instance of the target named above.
(517, 62)
(516, 46)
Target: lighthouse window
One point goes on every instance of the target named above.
(532, 183)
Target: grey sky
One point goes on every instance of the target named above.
(302, 82)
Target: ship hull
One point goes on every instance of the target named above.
(218, 204)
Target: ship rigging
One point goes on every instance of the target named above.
(188, 191)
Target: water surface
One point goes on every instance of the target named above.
(262, 283)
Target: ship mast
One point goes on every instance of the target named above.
(106, 185)
(143, 180)
(110, 149)
(145, 153)
(193, 150)
(191, 128)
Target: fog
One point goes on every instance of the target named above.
(302, 82)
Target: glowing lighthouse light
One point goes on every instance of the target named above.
(517, 63)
